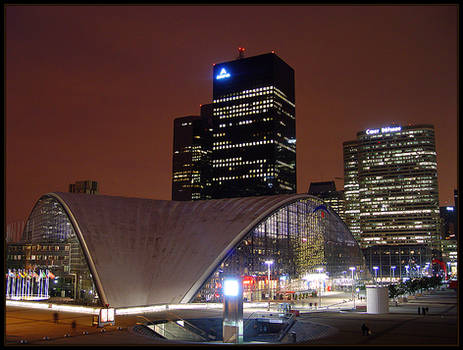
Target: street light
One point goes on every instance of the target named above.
(352, 269)
(320, 269)
(269, 262)
(406, 268)
(393, 272)
(376, 274)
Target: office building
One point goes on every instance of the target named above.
(449, 237)
(191, 156)
(327, 192)
(88, 186)
(391, 190)
(254, 129)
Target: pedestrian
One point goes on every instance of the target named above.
(73, 325)
(427, 309)
(364, 329)
(424, 311)
(419, 310)
(55, 317)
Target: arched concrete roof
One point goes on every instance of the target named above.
(147, 252)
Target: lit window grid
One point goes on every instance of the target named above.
(298, 240)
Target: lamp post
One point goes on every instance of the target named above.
(269, 262)
(352, 269)
(393, 272)
(320, 269)
(376, 274)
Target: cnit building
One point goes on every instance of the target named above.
(131, 252)
(246, 136)
(392, 202)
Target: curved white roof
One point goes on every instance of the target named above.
(147, 252)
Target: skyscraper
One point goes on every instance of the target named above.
(191, 156)
(390, 177)
(254, 129)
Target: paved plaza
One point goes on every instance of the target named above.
(337, 325)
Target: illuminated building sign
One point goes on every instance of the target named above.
(384, 130)
(450, 208)
(223, 74)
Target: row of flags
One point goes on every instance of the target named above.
(30, 274)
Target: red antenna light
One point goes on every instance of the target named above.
(241, 52)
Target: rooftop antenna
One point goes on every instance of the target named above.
(241, 52)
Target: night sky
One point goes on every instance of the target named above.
(92, 91)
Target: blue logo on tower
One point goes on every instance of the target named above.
(223, 74)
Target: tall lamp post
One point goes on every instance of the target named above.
(376, 274)
(269, 262)
(352, 269)
(393, 272)
(320, 269)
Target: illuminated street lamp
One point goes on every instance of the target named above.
(376, 273)
(269, 262)
(406, 268)
(320, 269)
(393, 271)
(352, 269)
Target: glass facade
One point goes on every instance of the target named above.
(394, 170)
(50, 248)
(311, 248)
(399, 261)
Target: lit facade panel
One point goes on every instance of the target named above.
(395, 171)
(254, 138)
(49, 243)
(351, 188)
(299, 238)
(141, 252)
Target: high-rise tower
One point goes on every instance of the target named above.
(392, 195)
(191, 156)
(254, 129)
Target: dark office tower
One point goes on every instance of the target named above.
(254, 129)
(327, 192)
(88, 186)
(191, 155)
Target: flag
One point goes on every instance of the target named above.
(51, 275)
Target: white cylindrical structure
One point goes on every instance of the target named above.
(377, 299)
